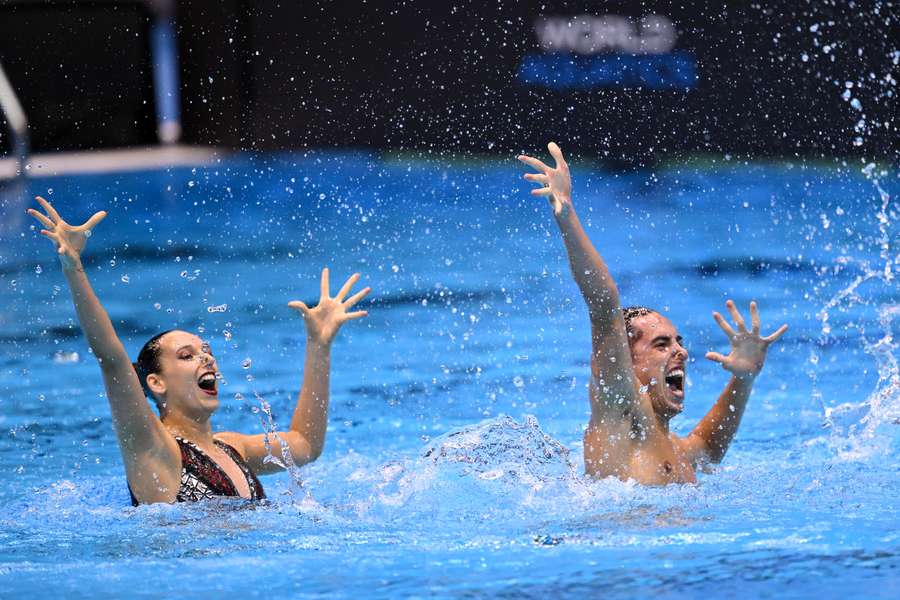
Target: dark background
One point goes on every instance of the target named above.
(441, 77)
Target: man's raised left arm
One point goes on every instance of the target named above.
(712, 436)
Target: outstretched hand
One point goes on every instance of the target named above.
(748, 348)
(70, 240)
(324, 321)
(556, 183)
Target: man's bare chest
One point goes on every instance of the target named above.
(652, 460)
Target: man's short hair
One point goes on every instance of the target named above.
(630, 313)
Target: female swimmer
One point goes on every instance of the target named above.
(176, 457)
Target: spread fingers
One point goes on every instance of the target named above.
(724, 325)
(49, 208)
(46, 222)
(533, 162)
(778, 333)
(345, 289)
(736, 315)
(357, 297)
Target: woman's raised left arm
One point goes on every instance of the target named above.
(306, 438)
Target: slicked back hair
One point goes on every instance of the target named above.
(148, 361)
(630, 313)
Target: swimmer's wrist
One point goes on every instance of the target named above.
(71, 266)
(746, 378)
(567, 214)
(318, 342)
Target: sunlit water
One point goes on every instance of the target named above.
(453, 461)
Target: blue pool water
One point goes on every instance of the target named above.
(475, 329)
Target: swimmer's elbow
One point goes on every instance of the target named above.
(310, 451)
(703, 451)
(714, 455)
(314, 453)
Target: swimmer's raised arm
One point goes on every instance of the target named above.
(138, 429)
(306, 437)
(613, 381)
(588, 268)
(711, 437)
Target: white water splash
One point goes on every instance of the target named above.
(869, 428)
(301, 498)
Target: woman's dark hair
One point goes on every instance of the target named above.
(148, 360)
(630, 313)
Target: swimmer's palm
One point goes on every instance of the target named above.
(70, 239)
(748, 354)
(556, 181)
(560, 183)
(324, 321)
(748, 347)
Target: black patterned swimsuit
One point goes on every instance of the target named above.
(203, 479)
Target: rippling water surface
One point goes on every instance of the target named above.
(453, 462)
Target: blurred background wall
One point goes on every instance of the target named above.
(629, 82)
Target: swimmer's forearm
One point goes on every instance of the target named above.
(588, 268)
(94, 320)
(719, 426)
(310, 418)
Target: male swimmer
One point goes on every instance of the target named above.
(176, 457)
(638, 364)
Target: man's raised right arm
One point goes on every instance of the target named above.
(611, 367)
(588, 268)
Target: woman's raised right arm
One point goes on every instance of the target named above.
(142, 438)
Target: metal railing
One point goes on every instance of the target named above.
(18, 122)
(163, 50)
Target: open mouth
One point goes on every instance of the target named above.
(675, 382)
(208, 383)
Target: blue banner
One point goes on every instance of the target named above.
(676, 70)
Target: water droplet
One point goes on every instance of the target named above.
(49, 191)
(38, 269)
(227, 335)
(87, 233)
(126, 279)
(518, 381)
(249, 377)
(62, 357)
(112, 262)
(157, 305)
(220, 308)
(238, 396)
